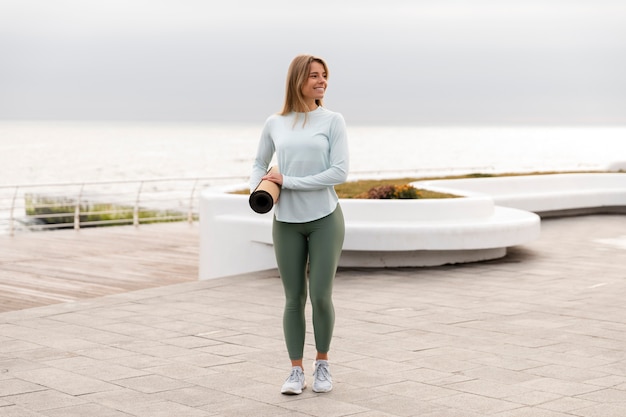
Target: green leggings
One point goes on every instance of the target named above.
(320, 241)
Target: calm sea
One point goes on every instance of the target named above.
(52, 152)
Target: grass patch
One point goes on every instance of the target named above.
(360, 188)
(59, 213)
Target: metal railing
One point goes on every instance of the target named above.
(33, 207)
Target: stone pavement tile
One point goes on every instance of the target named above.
(215, 333)
(433, 377)
(138, 361)
(92, 334)
(379, 366)
(228, 349)
(361, 346)
(204, 360)
(83, 410)
(530, 412)
(64, 381)
(166, 409)
(476, 403)
(228, 383)
(573, 373)
(195, 396)
(42, 354)
(156, 321)
(154, 348)
(608, 395)
(606, 382)
(242, 407)
(151, 383)
(502, 358)
(528, 340)
(567, 404)
(559, 386)
(621, 386)
(248, 339)
(451, 412)
(280, 359)
(443, 363)
(121, 398)
(190, 341)
(488, 388)
(349, 393)
(577, 345)
(401, 405)
(14, 386)
(83, 318)
(140, 331)
(4, 374)
(9, 345)
(601, 410)
(366, 379)
(534, 398)
(44, 400)
(94, 368)
(468, 352)
(104, 352)
(42, 337)
(255, 371)
(19, 411)
(323, 406)
(13, 364)
(376, 414)
(424, 392)
(180, 371)
(497, 374)
(614, 368)
(269, 392)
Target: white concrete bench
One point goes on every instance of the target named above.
(379, 233)
(546, 195)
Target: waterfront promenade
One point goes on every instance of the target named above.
(112, 322)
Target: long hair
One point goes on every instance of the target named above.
(296, 77)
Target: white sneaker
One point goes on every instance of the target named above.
(295, 383)
(323, 381)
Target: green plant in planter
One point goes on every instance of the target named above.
(405, 191)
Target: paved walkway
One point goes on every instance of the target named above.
(541, 332)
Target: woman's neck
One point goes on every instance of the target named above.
(312, 105)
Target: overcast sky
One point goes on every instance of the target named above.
(391, 61)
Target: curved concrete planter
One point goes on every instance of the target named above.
(379, 233)
(546, 195)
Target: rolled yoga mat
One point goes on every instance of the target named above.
(265, 195)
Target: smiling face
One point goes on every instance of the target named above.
(314, 86)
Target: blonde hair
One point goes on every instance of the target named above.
(296, 77)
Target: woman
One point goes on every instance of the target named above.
(311, 149)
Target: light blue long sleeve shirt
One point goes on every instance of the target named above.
(312, 158)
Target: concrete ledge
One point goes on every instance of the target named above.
(546, 195)
(379, 233)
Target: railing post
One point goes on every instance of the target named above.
(77, 208)
(11, 216)
(190, 212)
(136, 208)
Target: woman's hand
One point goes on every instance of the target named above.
(275, 177)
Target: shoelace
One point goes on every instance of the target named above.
(321, 372)
(294, 376)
